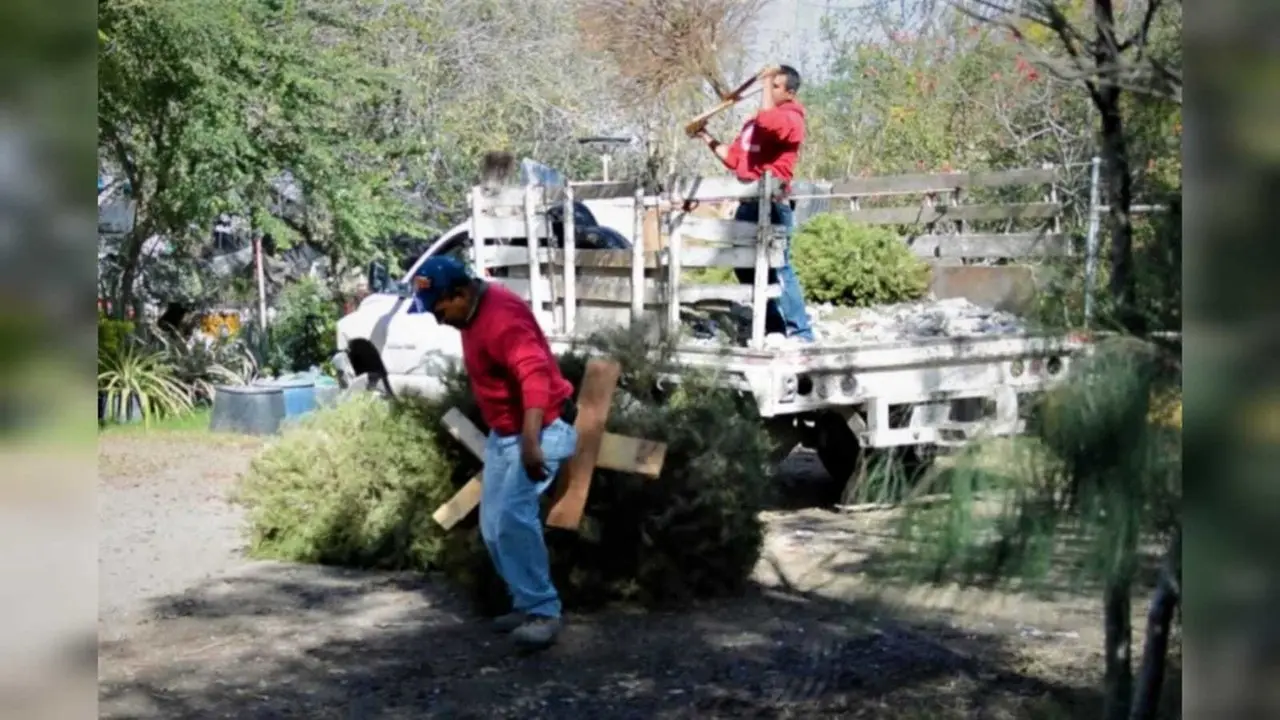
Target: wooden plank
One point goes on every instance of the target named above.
(617, 452)
(595, 191)
(489, 226)
(460, 505)
(503, 197)
(724, 232)
(630, 454)
(595, 398)
(991, 245)
(1003, 287)
(464, 431)
(712, 188)
(924, 215)
(940, 182)
(618, 290)
(743, 257)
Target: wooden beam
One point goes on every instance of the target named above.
(925, 215)
(920, 183)
(721, 187)
(695, 256)
(595, 398)
(715, 230)
(461, 504)
(617, 452)
(464, 431)
(595, 191)
(617, 289)
(630, 454)
(992, 245)
(506, 198)
(506, 226)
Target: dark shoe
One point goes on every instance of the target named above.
(509, 622)
(537, 632)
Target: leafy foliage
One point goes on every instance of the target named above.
(200, 364)
(356, 485)
(132, 373)
(847, 264)
(113, 335)
(304, 331)
(1101, 473)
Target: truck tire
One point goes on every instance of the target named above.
(842, 456)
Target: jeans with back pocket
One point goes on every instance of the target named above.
(511, 518)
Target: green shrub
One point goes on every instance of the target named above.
(842, 263)
(304, 331)
(112, 337)
(356, 485)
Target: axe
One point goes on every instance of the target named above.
(728, 100)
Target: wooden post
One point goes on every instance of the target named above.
(570, 262)
(759, 295)
(674, 246)
(536, 299)
(637, 260)
(594, 400)
(477, 242)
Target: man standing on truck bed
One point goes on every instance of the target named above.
(771, 141)
(528, 407)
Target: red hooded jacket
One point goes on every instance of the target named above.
(769, 141)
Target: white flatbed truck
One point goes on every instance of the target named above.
(840, 397)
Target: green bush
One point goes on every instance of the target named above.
(356, 485)
(304, 331)
(113, 335)
(842, 263)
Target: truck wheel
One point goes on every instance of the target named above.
(842, 456)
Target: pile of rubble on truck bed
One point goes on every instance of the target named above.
(901, 322)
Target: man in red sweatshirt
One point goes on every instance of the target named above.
(528, 407)
(771, 141)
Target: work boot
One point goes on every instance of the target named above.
(509, 622)
(537, 632)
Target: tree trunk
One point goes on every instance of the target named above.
(131, 257)
(1147, 696)
(1118, 681)
(1119, 218)
(1115, 157)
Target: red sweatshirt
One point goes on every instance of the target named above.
(769, 141)
(509, 363)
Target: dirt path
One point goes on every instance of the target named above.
(190, 629)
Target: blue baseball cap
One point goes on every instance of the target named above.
(436, 276)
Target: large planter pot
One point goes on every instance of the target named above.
(249, 410)
(120, 412)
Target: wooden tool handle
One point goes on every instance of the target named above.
(733, 98)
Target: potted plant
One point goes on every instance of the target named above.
(133, 381)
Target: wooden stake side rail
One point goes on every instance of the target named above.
(577, 281)
(577, 278)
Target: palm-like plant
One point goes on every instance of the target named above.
(133, 373)
(200, 364)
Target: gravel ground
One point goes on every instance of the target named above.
(191, 629)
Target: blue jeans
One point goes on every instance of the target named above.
(511, 518)
(787, 313)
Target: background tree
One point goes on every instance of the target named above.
(1111, 49)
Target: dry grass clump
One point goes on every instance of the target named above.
(658, 44)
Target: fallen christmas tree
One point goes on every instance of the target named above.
(356, 485)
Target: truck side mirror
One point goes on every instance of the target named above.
(378, 278)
